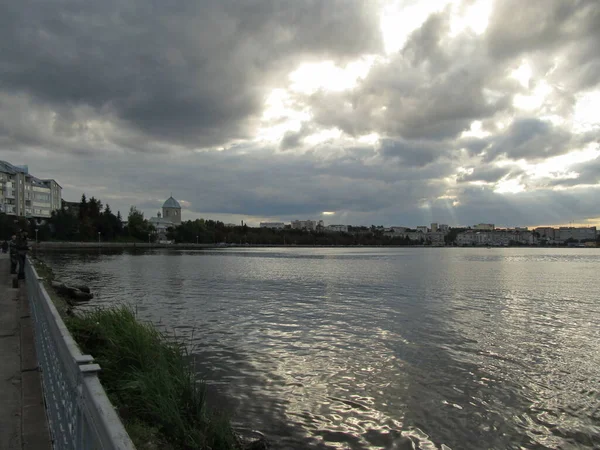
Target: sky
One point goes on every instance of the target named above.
(355, 112)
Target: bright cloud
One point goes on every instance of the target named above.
(326, 75)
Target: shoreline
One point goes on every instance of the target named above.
(61, 245)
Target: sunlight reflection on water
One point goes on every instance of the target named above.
(380, 348)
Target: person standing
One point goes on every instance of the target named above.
(13, 254)
(22, 248)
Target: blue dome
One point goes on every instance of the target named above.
(171, 203)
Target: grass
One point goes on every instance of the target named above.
(149, 378)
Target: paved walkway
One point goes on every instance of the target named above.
(23, 423)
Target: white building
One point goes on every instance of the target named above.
(24, 195)
(471, 237)
(496, 238)
(575, 233)
(170, 217)
(336, 229)
(546, 233)
(416, 236)
(273, 225)
(310, 225)
(434, 227)
(422, 229)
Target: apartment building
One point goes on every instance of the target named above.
(24, 195)
(304, 225)
(273, 225)
(495, 238)
(547, 233)
(336, 229)
(576, 233)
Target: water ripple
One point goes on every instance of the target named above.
(379, 348)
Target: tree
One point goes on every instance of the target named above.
(94, 209)
(9, 225)
(63, 225)
(137, 226)
(119, 224)
(108, 224)
(82, 208)
(86, 228)
(450, 238)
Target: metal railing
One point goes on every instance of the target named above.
(80, 416)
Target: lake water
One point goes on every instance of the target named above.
(394, 348)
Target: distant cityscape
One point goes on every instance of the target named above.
(483, 234)
(24, 195)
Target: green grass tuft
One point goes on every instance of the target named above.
(149, 378)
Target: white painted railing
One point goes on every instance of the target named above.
(80, 416)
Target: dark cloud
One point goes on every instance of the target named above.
(587, 173)
(550, 26)
(531, 208)
(425, 45)
(517, 27)
(412, 153)
(530, 139)
(474, 145)
(193, 72)
(293, 139)
(488, 174)
(253, 183)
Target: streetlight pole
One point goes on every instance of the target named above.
(149, 239)
(196, 240)
(98, 238)
(36, 236)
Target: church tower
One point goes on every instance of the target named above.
(172, 211)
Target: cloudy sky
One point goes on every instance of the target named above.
(359, 112)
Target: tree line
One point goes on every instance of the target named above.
(89, 220)
(215, 232)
